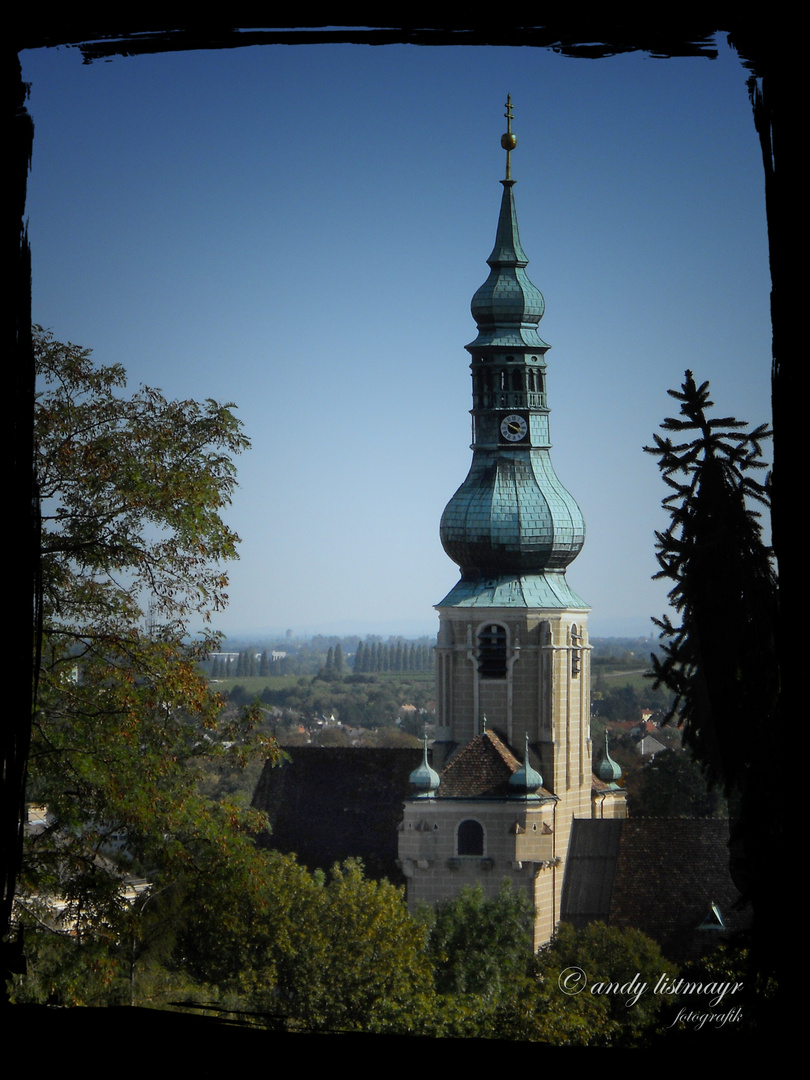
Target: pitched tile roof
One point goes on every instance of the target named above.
(481, 769)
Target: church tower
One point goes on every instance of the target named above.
(513, 673)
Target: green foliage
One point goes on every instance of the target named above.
(302, 950)
(607, 1010)
(724, 587)
(625, 702)
(394, 656)
(258, 932)
(62, 971)
(369, 701)
(355, 959)
(478, 945)
(132, 541)
(756, 995)
(672, 785)
(131, 490)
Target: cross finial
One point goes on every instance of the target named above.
(508, 140)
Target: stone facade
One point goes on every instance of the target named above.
(519, 845)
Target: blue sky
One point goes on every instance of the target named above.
(300, 230)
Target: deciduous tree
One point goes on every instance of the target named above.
(355, 959)
(132, 489)
(588, 987)
(478, 945)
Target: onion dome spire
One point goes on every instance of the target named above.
(511, 517)
(608, 771)
(508, 307)
(525, 783)
(424, 778)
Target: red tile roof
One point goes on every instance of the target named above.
(481, 769)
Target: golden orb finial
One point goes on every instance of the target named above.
(508, 139)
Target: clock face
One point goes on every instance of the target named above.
(514, 427)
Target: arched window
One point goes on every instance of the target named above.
(470, 838)
(492, 651)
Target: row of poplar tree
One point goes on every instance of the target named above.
(369, 658)
(246, 664)
(377, 656)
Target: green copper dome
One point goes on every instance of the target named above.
(424, 778)
(525, 783)
(608, 770)
(512, 514)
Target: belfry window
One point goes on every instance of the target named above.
(576, 651)
(470, 838)
(492, 651)
(486, 389)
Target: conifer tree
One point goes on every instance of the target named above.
(329, 667)
(720, 662)
(359, 658)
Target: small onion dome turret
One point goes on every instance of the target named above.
(424, 778)
(525, 783)
(608, 771)
(508, 307)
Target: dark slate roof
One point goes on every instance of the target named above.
(656, 875)
(481, 770)
(590, 871)
(328, 804)
(668, 873)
